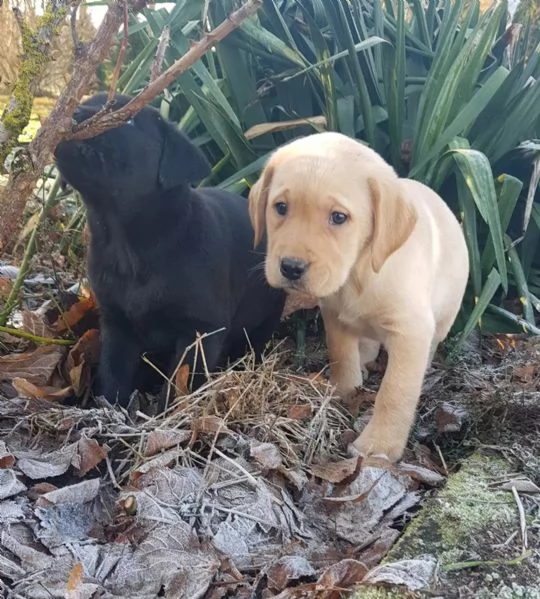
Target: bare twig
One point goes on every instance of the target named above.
(106, 119)
(59, 126)
(77, 45)
(522, 520)
(163, 44)
(35, 338)
(32, 161)
(121, 54)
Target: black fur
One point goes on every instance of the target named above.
(166, 261)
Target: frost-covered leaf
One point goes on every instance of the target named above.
(90, 454)
(38, 465)
(158, 440)
(415, 574)
(7, 459)
(342, 575)
(287, 569)
(169, 558)
(36, 366)
(79, 493)
(336, 472)
(266, 455)
(9, 484)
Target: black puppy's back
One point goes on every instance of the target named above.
(167, 262)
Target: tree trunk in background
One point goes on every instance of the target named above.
(57, 72)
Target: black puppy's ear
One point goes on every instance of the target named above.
(181, 160)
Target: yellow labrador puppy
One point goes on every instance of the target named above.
(385, 257)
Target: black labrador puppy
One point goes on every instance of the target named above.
(166, 261)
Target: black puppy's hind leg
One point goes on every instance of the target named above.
(202, 359)
(119, 360)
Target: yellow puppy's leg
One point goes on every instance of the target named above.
(369, 350)
(395, 404)
(344, 355)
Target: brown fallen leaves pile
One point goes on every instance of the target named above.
(242, 489)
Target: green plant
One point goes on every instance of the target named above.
(442, 91)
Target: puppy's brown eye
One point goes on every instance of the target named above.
(338, 218)
(281, 208)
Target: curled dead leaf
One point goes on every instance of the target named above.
(72, 317)
(82, 356)
(421, 474)
(74, 581)
(5, 287)
(337, 472)
(266, 455)
(36, 366)
(28, 390)
(298, 301)
(207, 424)
(33, 322)
(299, 412)
(90, 454)
(450, 418)
(181, 380)
(287, 569)
(7, 460)
(159, 440)
(342, 575)
(264, 128)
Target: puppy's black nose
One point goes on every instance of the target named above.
(292, 268)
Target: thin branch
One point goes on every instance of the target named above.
(106, 119)
(77, 45)
(522, 519)
(163, 44)
(33, 160)
(120, 57)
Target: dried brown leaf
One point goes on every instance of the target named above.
(521, 484)
(450, 418)
(207, 424)
(159, 440)
(182, 379)
(415, 574)
(287, 569)
(7, 459)
(5, 287)
(74, 581)
(36, 366)
(298, 301)
(90, 454)
(38, 465)
(71, 317)
(421, 474)
(82, 492)
(82, 356)
(160, 461)
(28, 390)
(527, 373)
(299, 412)
(33, 322)
(342, 575)
(264, 128)
(336, 472)
(9, 484)
(266, 455)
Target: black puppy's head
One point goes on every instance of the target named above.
(145, 156)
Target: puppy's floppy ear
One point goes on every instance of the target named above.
(393, 220)
(258, 199)
(181, 160)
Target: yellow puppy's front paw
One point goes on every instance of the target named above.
(381, 441)
(346, 388)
